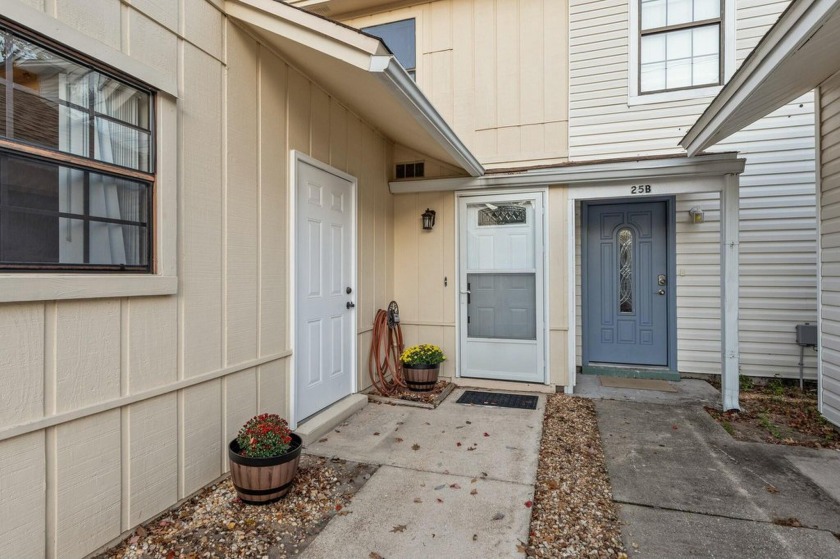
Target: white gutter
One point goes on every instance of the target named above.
(391, 73)
(793, 29)
(718, 164)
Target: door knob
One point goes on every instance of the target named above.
(661, 292)
(350, 305)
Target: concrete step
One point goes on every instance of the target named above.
(325, 421)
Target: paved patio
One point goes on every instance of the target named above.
(420, 503)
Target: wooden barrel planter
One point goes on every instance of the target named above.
(420, 378)
(261, 481)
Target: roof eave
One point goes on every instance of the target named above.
(794, 27)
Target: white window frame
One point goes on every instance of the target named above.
(634, 97)
(415, 13)
(47, 286)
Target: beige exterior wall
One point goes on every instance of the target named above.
(496, 71)
(114, 408)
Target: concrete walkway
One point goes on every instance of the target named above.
(434, 497)
(685, 488)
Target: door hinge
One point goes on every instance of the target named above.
(468, 319)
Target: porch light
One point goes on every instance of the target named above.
(428, 219)
(696, 215)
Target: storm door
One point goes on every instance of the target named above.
(626, 284)
(501, 287)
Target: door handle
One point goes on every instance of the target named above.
(467, 292)
(661, 292)
(350, 305)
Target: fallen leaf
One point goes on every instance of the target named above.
(486, 434)
(231, 525)
(457, 444)
(469, 422)
(475, 537)
(470, 448)
(674, 427)
(134, 540)
(399, 440)
(521, 547)
(474, 491)
(399, 528)
(771, 489)
(439, 487)
(483, 474)
(322, 440)
(141, 532)
(529, 504)
(418, 500)
(498, 516)
(439, 500)
(415, 446)
(375, 555)
(473, 480)
(454, 486)
(376, 434)
(337, 431)
(338, 507)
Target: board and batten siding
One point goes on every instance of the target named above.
(830, 247)
(496, 71)
(778, 206)
(114, 409)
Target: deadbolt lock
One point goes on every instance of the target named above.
(661, 279)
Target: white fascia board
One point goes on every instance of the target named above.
(585, 174)
(793, 29)
(268, 18)
(406, 90)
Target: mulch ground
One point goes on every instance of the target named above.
(779, 413)
(216, 524)
(573, 511)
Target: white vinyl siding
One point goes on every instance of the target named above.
(778, 208)
(830, 246)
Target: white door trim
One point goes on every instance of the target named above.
(544, 238)
(295, 159)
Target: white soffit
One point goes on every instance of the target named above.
(591, 174)
(799, 52)
(359, 71)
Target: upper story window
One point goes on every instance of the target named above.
(76, 162)
(399, 37)
(681, 44)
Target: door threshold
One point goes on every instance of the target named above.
(506, 385)
(631, 371)
(316, 425)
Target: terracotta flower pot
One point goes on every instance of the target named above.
(421, 378)
(260, 481)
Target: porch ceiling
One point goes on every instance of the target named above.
(796, 55)
(360, 71)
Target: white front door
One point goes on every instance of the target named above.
(326, 290)
(502, 325)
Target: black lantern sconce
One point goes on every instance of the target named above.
(428, 219)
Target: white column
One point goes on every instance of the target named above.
(729, 229)
(571, 303)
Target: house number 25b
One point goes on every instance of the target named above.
(640, 189)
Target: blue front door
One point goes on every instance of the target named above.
(626, 295)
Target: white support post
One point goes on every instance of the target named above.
(729, 236)
(571, 302)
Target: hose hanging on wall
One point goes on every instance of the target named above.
(386, 346)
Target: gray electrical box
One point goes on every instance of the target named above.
(806, 334)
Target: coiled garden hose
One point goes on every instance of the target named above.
(386, 346)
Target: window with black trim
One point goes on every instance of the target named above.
(76, 161)
(680, 44)
(400, 38)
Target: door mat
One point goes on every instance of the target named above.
(499, 399)
(637, 384)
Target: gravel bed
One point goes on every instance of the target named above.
(573, 512)
(216, 524)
